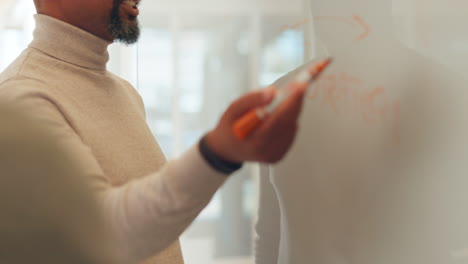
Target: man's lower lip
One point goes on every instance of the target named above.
(132, 11)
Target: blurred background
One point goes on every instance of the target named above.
(195, 57)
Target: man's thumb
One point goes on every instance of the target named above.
(250, 101)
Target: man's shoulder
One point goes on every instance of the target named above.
(18, 88)
(30, 64)
(19, 75)
(15, 68)
(129, 88)
(121, 81)
(14, 84)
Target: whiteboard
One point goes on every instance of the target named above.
(379, 171)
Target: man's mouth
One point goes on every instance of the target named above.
(131, 8)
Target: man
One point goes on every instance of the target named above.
(47, 212)
(62, 79)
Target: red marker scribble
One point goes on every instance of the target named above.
(330, 95)
(366, 27)
(349, 94)
(296, 25)
(316, 90)
(349, 87)
(346, 20)
(355, 21)
(351, 79)
(368, 102)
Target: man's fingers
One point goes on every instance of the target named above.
(250, 101)
(275, 134)
(285, 117)
(277, 141)
(290, 109)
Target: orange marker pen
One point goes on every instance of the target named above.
(250, 121)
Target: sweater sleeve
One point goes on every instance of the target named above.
(268, 225)
(146, 215)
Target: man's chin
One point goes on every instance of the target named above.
(125, 31)
(123, 28)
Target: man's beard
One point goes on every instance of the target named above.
(122, 31)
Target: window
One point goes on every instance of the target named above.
(190, 67)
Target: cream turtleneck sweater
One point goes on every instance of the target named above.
(61, 79)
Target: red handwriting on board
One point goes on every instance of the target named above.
(346, 94)
(364, 25)
(354, 21)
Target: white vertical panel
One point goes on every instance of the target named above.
(176, 92)
(255, 40)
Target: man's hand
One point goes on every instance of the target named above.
(271, 140)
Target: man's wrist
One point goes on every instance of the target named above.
(215, 161)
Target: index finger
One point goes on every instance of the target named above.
(288, 112)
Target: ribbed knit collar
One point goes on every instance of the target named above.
(69, 43)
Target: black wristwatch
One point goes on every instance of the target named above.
(219, 164)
